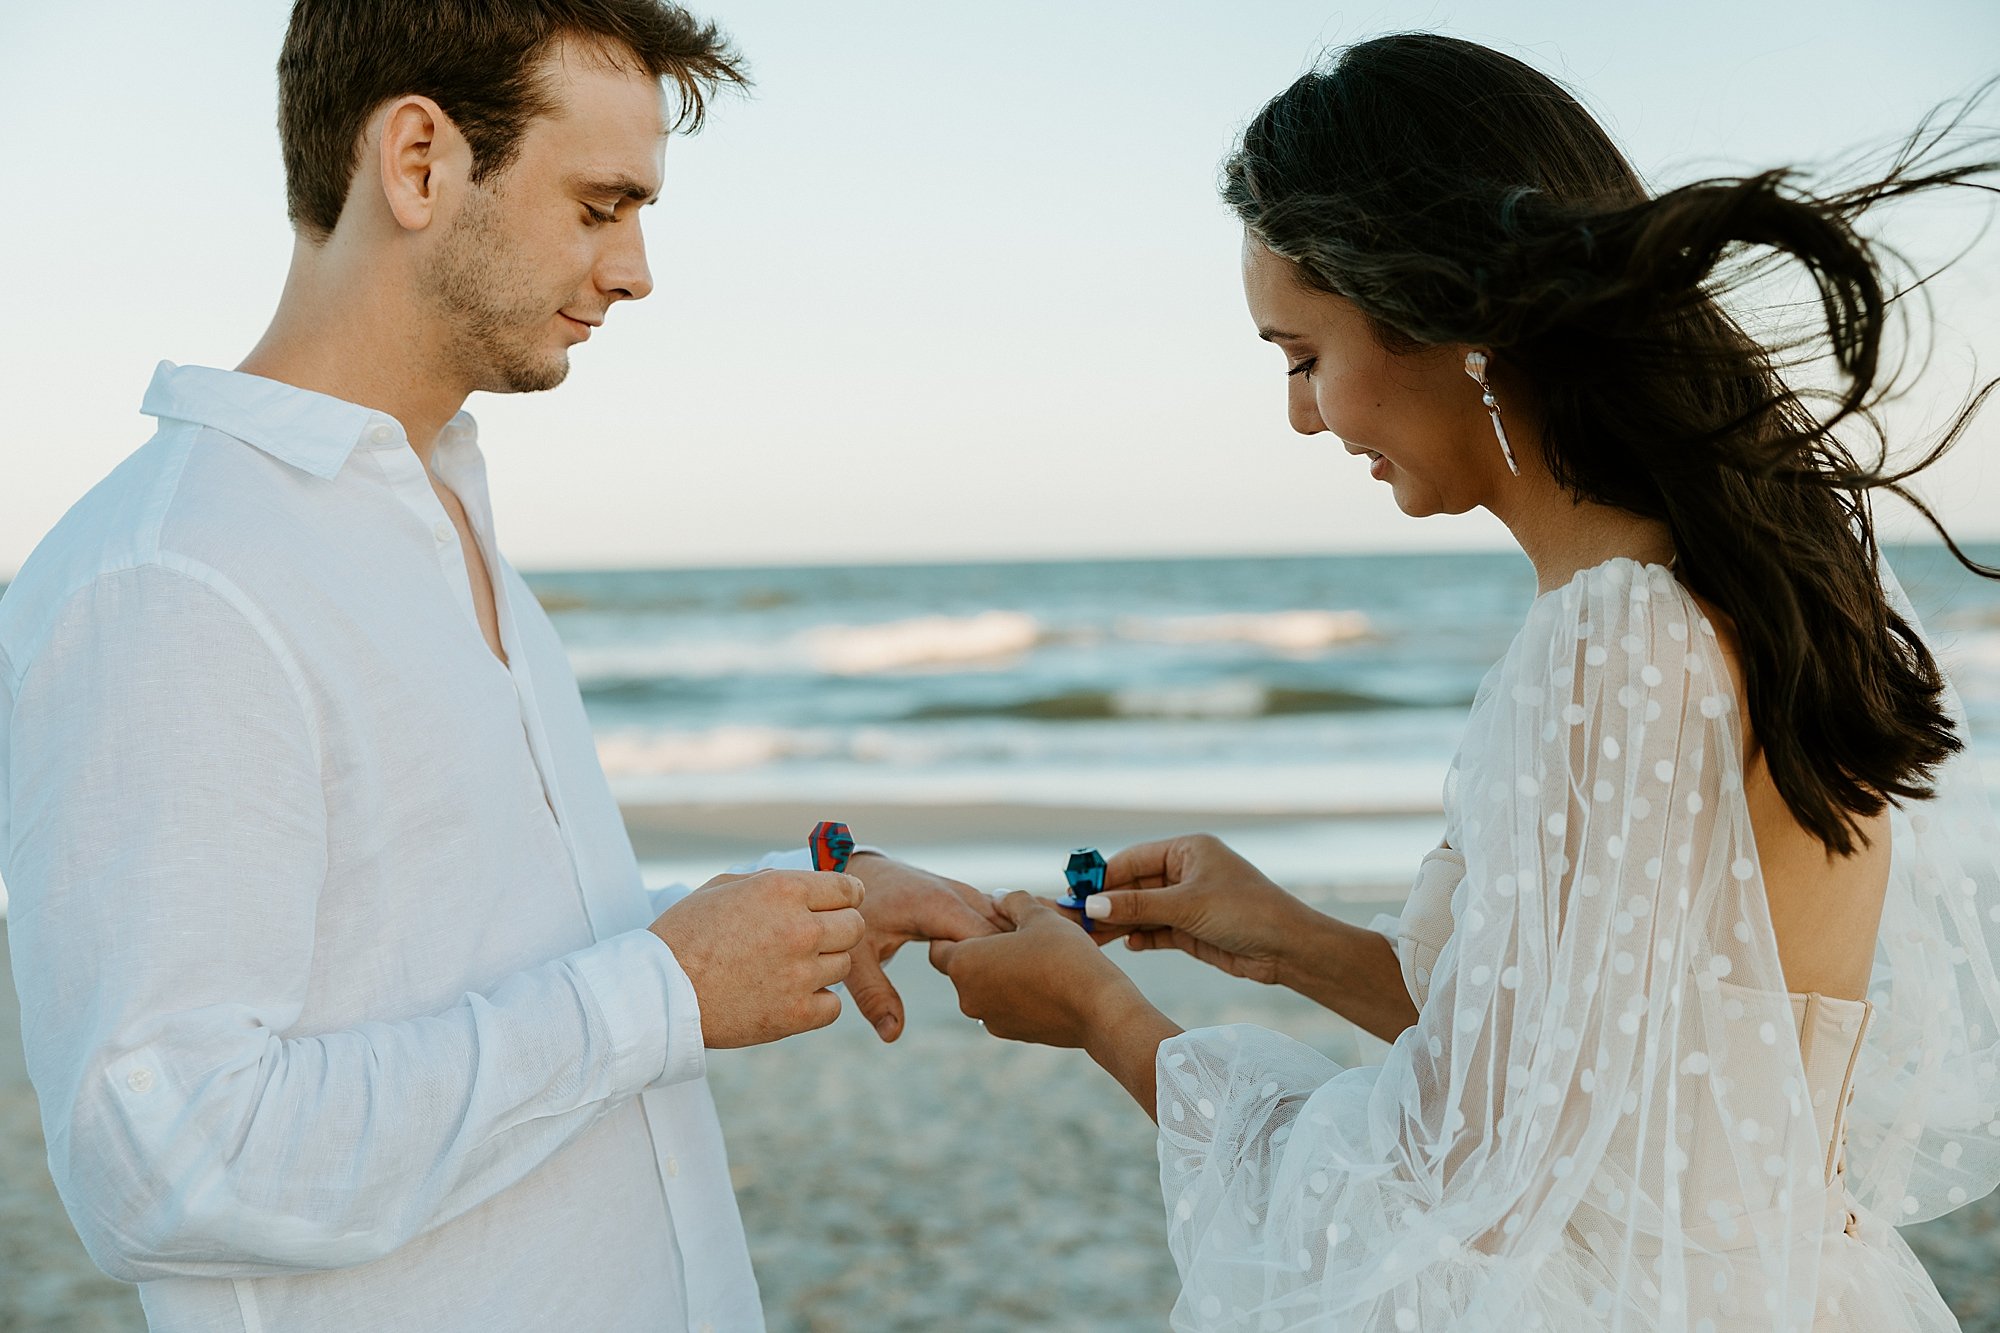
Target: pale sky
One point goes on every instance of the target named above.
(953, 283)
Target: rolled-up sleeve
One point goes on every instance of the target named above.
(166, 845)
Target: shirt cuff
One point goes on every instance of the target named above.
(651, 1013)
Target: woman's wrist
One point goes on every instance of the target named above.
(1109, 1004)
(1123, 1036)
(1351, 970)
(1308, 949)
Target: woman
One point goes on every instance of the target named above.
(1697, 999)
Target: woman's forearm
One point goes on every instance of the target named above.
(1350, 970)
(1126, 1042)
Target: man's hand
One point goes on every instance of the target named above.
(763, 949)
(905, 904)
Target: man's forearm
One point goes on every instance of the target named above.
(1352, 971)
(360, 1139)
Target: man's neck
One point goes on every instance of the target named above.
(360, 337)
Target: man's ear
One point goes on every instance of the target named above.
(422, 160)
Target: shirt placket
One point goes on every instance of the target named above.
(405, 472)
(460, 467)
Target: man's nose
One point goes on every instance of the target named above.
(623, 275)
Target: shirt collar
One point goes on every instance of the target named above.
(313, 432)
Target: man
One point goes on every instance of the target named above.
(342, 997)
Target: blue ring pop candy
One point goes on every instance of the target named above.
(831, 844)
(1085, 874)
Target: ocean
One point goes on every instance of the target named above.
(1327, 690)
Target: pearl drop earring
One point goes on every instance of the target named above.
(1475, 366)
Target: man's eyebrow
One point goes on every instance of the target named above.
(623, 186)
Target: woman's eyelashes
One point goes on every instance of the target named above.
(1304, 367)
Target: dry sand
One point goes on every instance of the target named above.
(947, 1182)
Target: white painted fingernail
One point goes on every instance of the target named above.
(1096, 908)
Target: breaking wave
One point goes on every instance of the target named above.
(1289, 632)
(937, 643)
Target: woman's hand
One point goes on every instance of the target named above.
(1043, 981)
(1046, 981)
(1194, 894)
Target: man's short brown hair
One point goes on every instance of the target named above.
(477, 59)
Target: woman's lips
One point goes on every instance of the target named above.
(1378, 466)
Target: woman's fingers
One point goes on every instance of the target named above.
(941, 954)
(1145, 865)
(1138, 908)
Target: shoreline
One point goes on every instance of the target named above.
(682, 829)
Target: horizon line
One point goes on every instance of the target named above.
(1045, 558)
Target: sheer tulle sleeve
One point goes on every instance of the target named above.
(1597, 1121)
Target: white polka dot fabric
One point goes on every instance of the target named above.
(1610, 1113)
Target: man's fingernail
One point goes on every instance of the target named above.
(1096, 908)
(886, 1024)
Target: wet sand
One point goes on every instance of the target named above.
(728, 832)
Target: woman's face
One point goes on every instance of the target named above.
(1415, 417)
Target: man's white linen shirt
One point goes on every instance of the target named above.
(335, 984)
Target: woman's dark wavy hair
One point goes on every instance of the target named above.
(1458, 196)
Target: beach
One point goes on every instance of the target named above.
(947, 1181)
(982, 721)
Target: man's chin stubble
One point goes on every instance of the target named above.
(522, 375)
(538, 380)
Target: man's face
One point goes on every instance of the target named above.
(542, 249)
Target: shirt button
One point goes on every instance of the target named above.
(442, 532)
(140, 1080)
(673, 1166)
(382, 434)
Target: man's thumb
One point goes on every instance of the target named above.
(869, 987)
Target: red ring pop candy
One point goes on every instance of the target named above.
(831, 844)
